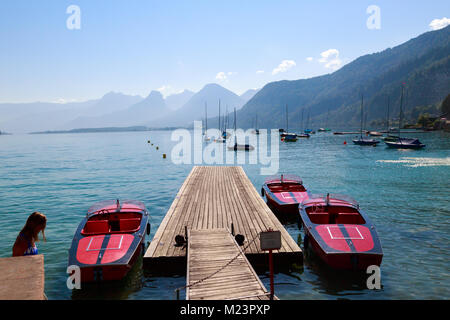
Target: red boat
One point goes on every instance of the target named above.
(109, 240)
(340, 233)
(284, 193)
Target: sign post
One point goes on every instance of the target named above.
(270, 240)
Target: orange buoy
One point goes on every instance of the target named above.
(345, 142)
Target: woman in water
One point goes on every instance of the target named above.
(25, 243)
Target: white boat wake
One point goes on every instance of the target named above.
(420, 162)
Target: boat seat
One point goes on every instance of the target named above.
(319, 217)
(128, 225)
(96, 226)
(349, 218)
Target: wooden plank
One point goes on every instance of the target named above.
(22, 278)
(151, 251)
(213, 197)
(206, 277)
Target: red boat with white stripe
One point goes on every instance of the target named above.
(340, 233)
(109, 240)
(284, 193)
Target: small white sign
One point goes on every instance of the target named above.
(270, 240)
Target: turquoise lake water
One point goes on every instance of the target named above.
(405, 193)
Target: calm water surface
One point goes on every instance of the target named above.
(405, 193)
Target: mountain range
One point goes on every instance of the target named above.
(422, 64)
(119, 110)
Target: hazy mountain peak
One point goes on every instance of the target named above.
(247, 95)
(155, 95)
(177, 100)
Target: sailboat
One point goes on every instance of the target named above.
(388, 129)
(224, 132)
(364, 141)
(236, 146)
(286, 136)
(307, 124)
(256, 131)
(220, 139)
(303, 135)
(206, 138)
(404, 143)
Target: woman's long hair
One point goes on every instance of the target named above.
(31, 230)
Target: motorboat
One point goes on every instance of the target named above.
(339, 232)
(284, 193)
(405, 143)
(109, 240)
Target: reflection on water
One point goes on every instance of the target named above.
(113, 290)
(331, 281)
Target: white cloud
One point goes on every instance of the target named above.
(437, 24)
(221, 76)
(224, 76)
(259, 71)
(309, 59)
(331, 59)
(284, 66)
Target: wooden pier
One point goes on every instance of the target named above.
(22, 278)
(217, 269)
(211, 198)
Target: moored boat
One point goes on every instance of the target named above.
(241, 147)
(404, 143)
(303, 135)
(109, 240)
(289, 137)
(284, 193)
(364, 141)
(340, 233)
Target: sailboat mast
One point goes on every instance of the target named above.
(401, 113)
(362, 102)
(287, 123)
(206, 118)
(226, 118)
(303, 123)
(235, 138)
(219, 115)
(387, 119)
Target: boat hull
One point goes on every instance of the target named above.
(368, 142)
(345, 261)
(241, 147)
(112, 272)
(404, 145)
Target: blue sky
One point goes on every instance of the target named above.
(138, 46)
